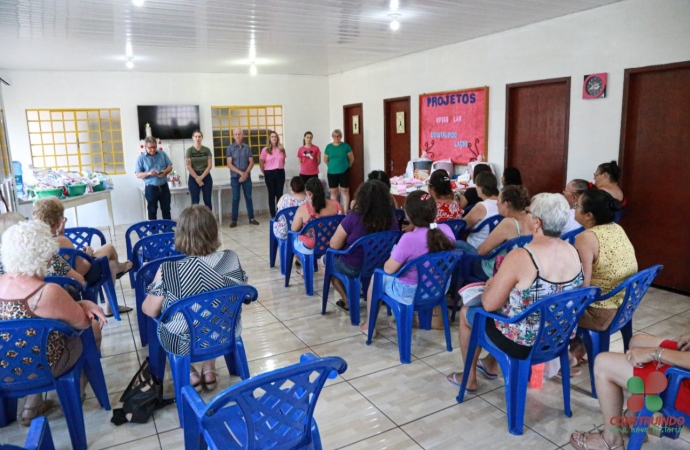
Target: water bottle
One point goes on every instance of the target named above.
(18, 177)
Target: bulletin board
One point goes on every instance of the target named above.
(454, 125)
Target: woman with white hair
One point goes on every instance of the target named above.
(545, 266)
(27, 250)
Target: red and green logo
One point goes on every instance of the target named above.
(646, 392)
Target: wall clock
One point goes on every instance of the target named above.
(594, 86)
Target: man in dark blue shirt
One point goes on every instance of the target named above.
(153, 167)
(240, 163)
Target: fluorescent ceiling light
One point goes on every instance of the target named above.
(130, 65)
(395, 25)
(394, 5)
(138, 2)
(128, 49)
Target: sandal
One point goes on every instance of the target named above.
(579, 441)
(38, 410)
(124, 272)
(342, 304)
(121, 309)
(209, 386)
(198, 385)
(483, 371)
(453, 379)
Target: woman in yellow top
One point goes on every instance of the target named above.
(607, 255)
(199, 160)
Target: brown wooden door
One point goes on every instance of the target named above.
(355, 137)
(397, 135)
(655, 164)
(537, 117)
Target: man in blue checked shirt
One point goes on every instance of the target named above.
(240, 163)
(153, 167)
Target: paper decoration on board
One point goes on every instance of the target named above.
(454, 125)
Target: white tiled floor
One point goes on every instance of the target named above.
(377, 403)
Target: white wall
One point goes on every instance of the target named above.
(609, 39)
(304, 100)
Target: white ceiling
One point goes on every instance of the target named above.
(314, 37)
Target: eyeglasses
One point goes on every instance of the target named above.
(574, 194)
(596, 174)
(528, 211)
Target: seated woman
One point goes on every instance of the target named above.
(545, 266)
(317, 206)
(51, 211)
(471, 195)
(488, 191)
(27, 250)
(612, 372)
(427, 237)
(204, 269)
(442, 192)
(383, 177)
(511, 177)
(607, 256)
(606, 179)
(56, 267)
(371, 213)
(295, 198)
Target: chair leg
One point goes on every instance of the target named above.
(353, 288)
(272, 250)
(67, 387)
(180, 367)
(193, 439)
(281, 253)
(308, 272)
(374, 313)
(424, 316)
(8, 411)
(590, 339)
(239, 365)
(326, 289)
(404, 327)
(446, 327)
(627, 333)
(93, 369)
(142, 321)
(288, 261)
(471, 349)
(315, 436)
(156, 352)
(639, 430)
(516, 394)
(565, 380)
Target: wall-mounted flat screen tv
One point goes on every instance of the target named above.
(168, 121)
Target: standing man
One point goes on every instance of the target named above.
(240, 163)
(153, 167)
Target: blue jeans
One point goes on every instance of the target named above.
(247, 189)
(207, 189)
(154, 195)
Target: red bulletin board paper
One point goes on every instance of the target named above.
(454, 125)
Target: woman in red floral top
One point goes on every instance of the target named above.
(439, 188)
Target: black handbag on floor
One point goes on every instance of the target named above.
(142, 397)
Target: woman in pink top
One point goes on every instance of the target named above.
(309, 158)
(272, 163)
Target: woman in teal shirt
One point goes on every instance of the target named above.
(338, 157)
(199, 164)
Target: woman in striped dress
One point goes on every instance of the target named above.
(204, 269)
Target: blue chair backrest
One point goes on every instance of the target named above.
(571, 235)
(491, 222)
(376, 248)
(277, 407)
(287, 213)
(558, 315)
(458, 226)
(24, 352)
(323, 229)
(467, 209)
(434, 271)
(147, 228)
(153, 247)
(82, 236)
(635, 288)
(147, 273)
(71, 254)
(64, 282)
(211, 317)
(39, 437)
(507, 246)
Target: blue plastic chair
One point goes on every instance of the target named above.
(24, 372)
(558, 317)
(65, 281)
(211, 318)
(150, 248)
(675, 376)
(275, 243)
(434, 271)
(571, 235)
(458, 226)
(104, 284)
(145, 277)
(143, 229)
(39, 437)
(596, 342)
(83, 236)
(323, 229)
(467, 209)
(375, 249)
(491, 222)
(271, 410)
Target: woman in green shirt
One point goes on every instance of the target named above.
(338, 157)
(199, 164)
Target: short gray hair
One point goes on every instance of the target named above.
(337, 132)
(150, 140)
(27, 248)
(552, 210)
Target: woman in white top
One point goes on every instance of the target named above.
(487, 189)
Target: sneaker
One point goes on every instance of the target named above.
(233, 224)
(253, 222)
